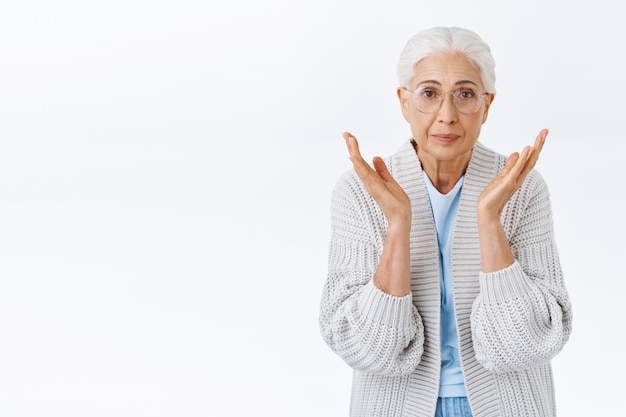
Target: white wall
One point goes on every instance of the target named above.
(165, 179)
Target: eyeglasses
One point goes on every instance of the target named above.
(429, 99)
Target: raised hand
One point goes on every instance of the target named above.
(495, 252)
(497, 193)
(379, 183)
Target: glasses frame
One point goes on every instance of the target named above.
(454, 102)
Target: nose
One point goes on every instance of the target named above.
(447, 111)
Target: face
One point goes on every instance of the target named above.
(445, 136)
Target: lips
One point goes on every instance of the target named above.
(446, 137)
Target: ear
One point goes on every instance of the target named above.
(404, 102)
(488, 100)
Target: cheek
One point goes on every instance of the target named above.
(473, 129)
(420, 122)
(474, 122)
(420, 130)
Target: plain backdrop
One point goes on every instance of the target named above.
(165, 178)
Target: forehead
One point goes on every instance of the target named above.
(446, 69)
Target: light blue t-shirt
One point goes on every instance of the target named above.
(444, 207)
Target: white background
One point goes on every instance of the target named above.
(165, 179)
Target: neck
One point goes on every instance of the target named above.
(444, 174)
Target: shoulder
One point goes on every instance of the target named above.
(348, 186)
(486, 157)
(350, 198)
(354, 213)
(405, 158)
(534, 191)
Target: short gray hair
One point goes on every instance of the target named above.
(447, 39)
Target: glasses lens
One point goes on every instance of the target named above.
(467, 101)
(428, 100)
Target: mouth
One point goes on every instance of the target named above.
(446, 138)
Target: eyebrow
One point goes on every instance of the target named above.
(460, 82)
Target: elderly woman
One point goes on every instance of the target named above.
(444, 292)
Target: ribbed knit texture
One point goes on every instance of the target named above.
(510, 322)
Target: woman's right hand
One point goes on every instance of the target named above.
(393, 273)
(379, 183)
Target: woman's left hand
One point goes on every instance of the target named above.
(497, 193)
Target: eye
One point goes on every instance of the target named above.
(465, 94)
(429, 93)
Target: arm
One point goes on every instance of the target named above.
(522, 315)
(371, 329)
(393, 273)
(495, 252)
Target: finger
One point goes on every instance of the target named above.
(540, 140)
(371, 180)
(510, 163)
(518, 171)
(361, 167)
(383, 171)
(535, 151)
(353, 145)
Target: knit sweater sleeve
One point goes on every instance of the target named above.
(522, 315)
(371, 330)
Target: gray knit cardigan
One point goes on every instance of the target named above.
(510, 323)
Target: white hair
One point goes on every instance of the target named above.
(447, 39)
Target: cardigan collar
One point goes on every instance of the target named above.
(483, 166)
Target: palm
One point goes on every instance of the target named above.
(498, 192)
(379, 183)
